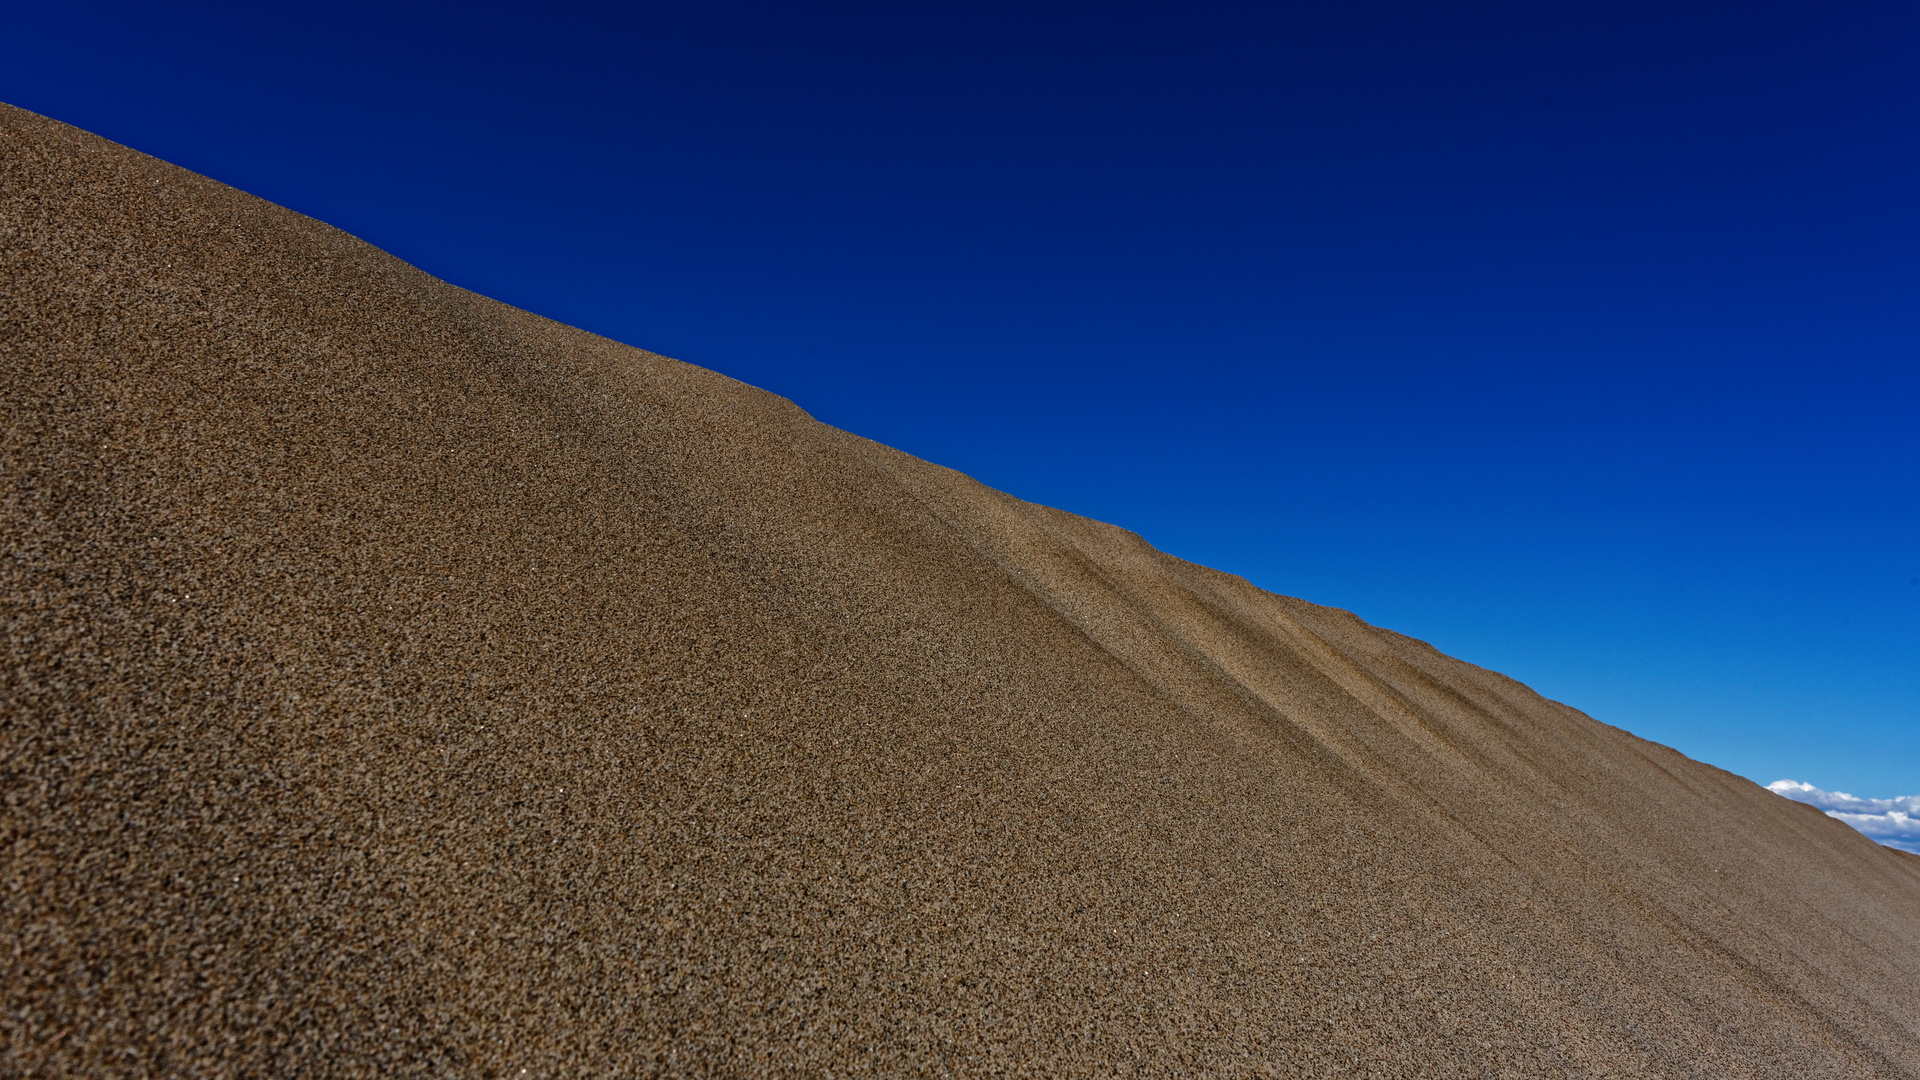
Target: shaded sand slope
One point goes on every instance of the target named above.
(399, 683)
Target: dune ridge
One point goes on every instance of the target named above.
(400, 683)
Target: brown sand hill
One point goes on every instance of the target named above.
(399, 683)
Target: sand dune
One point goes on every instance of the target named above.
(400, 683)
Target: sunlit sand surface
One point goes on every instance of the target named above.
(400, 683)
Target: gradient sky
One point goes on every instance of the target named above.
(1580, 340)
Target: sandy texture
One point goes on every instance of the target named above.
(397, 683)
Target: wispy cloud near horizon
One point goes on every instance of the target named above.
(1894, 822)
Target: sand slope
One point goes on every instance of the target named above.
(399, 683)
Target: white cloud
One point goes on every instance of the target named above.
(1893, 822)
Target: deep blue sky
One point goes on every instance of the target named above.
(1579, 339)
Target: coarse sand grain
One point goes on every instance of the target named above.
(398, 683)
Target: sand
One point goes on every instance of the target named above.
(397, 683)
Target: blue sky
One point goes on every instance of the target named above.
(1580, 340)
